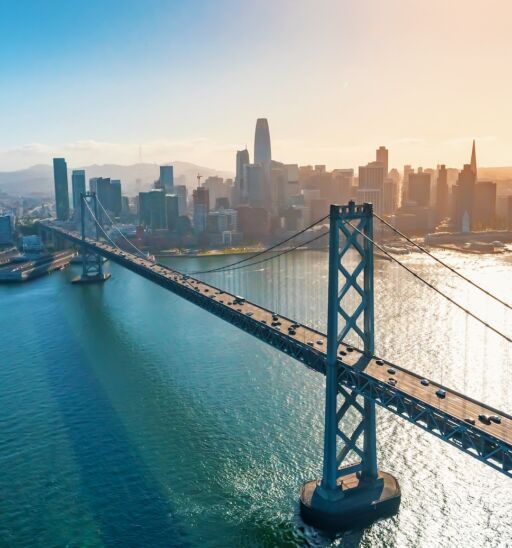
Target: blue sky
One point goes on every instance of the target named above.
(185, 80)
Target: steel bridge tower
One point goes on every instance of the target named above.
(92, 263)
(351, 492)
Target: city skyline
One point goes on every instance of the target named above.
(175, 104)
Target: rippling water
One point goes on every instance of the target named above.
(132, 418)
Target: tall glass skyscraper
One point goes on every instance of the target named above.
(60, 177)
(262, 152)
(167, 179)
(78, 186)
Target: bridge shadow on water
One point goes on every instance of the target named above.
(125, 499)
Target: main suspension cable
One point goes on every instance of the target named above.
(259, 253)
(267, 259)
(437, 290)
(141, 253)
(450, 268)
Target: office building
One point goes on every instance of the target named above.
(222, 221)
(442, 192)
(242, 159)
(371, 176)
(78, 187)
(256, 180)
(484, 208)
(262, 149)
(172, 211)
(253, 222)
(152, 209)
(463, 193)
(181, 192)
(201, 208)
(419, 188)
(6, 229)
(217, 188)
(115, 199)
(60, 178)
(389, 196)
(167, 179)
(382, 157)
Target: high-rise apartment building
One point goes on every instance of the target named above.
(78, 186)
(60, 178)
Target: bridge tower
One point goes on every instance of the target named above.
(350, 493)
(92, 263)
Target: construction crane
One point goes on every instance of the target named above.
(199, 177)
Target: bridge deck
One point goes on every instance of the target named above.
(446, 417)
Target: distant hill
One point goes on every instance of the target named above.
(38, 180)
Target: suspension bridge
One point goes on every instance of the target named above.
(352, 490)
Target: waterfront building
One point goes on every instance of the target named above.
(60, 178)
(78, 187)
(167, 179)
(6, 229)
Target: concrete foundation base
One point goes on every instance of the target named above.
(357, 503)
(92, 279)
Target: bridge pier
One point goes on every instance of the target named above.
(92, 263)
(352, 492)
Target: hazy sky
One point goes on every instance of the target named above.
(93, 80)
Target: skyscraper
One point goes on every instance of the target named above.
(262, 151)
(464, 194)
(442, 192)
(419, 188)
(201, 202)
(473, 160)
(167, 179)
(181, 192)
(242, 159)
(382, 156)
(60, 177)
(78, 186)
